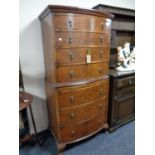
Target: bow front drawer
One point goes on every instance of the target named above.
(82, 112)
(78, 55)
(82, 72)
(82, 129)
(80, 39)
(77, 95)
(70, 22)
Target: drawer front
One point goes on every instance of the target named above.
(81, 39)
(80, 22)
(125, 82)
(78, 55)
(125, 93)
(79, 130)
(82, 112)
(77, 95)
(81, 72)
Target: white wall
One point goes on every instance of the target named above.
(31, 49)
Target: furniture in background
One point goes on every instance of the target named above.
(25, 101)
(121, 98)
(24, 135)
(76, 51)
(121, 95)
(122, 30)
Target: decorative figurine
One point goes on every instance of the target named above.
(132, 56)
(125, 58)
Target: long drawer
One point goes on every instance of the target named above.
(78, 55)
(82, 112)
(82, 23)
(82, 129)
(81, 72)
(125, 94)
(77, 95)
(81, 39)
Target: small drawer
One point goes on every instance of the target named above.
(125, 82)
(77, 95)
(82, 112)
(78, 55)
(72, 22)
(81, 72)
(81, 39)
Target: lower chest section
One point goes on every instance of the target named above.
(82, 110)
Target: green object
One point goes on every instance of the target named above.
(88, 51)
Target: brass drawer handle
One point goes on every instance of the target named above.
(101, 107)
(100, 122)
(100, 70)
(102, 26)
(73, 133)
(101, 39)
(101, 91)
(71, 99)
(101, 54)
(70, 40)
(72, 115)
(71, 56)
(71, 74)
(70, 23)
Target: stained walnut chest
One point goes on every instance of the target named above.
(76, 54)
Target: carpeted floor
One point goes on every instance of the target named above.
(119, 142)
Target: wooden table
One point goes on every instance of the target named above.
(25, 100)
